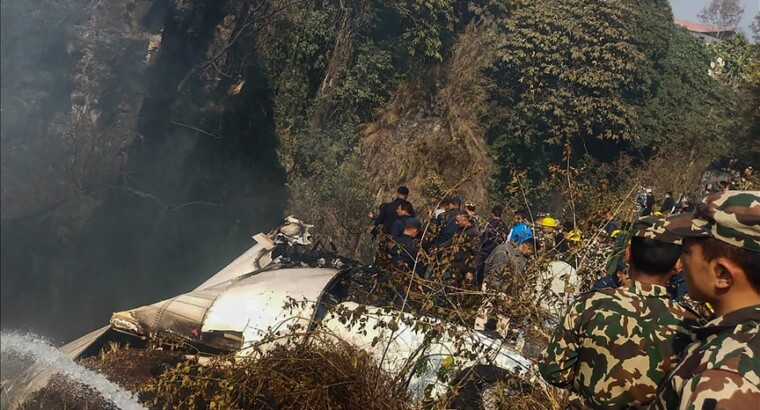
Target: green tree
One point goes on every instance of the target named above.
(568, 67)
(568, 78)
(736, 64)
(578, 80)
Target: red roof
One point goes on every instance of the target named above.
(700, 28)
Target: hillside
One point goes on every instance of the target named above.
(143, 142)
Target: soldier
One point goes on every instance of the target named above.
(614, 346)
(593, 264)
(721, 368)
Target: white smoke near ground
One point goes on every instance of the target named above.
(36, 349)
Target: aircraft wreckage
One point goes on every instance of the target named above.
(235, 309)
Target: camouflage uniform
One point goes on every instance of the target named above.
(594, 263)
(732, 217)
(653, 227)
(615, 346)
(721, 369)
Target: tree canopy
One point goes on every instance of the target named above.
(562, 81)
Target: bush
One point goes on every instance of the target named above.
(326, 375)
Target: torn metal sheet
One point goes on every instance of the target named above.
(228, 316)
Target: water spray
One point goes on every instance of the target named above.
(43, 353)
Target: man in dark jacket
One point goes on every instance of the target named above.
(461, 224)
(448, 221)
(610, 224)
(468, 226)
(649, 203)
(667, 204)
(404, 260)
(494, 233)
(466, 242)
(404, 212)
(495, 230)
(387, 213)
(404, 254)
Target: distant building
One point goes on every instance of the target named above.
(707, 32)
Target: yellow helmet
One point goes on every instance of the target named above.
(549, 222)
(574, 235)
(657, 213)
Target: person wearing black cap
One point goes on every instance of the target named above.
(387, 214)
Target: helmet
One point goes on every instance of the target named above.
(573, 236)
(657, 213)
(549, 222)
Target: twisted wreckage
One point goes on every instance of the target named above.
(235, 309)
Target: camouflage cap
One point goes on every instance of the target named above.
(653, 227)
(732, 217)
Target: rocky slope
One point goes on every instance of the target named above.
(134, 161)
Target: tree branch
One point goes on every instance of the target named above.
(178, 207)
(248, 22)
(196, 129)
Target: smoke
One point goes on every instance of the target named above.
(107, 203)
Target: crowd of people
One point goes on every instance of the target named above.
(633, 346)
(474, 248)
(674, 322)
(480, 251)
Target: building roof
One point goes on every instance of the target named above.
(701, 28)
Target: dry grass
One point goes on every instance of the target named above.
(319, 376)
(129, 368)
(431, 130)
